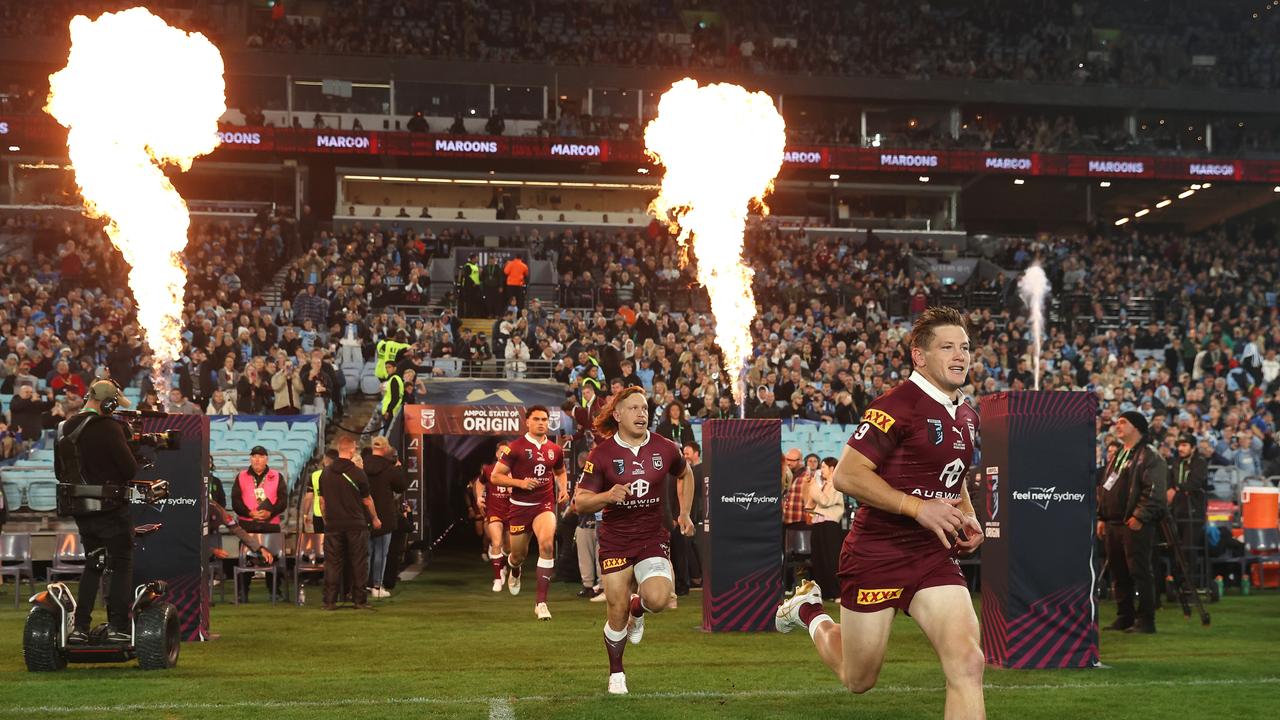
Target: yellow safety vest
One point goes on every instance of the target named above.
(386, 396)
(387, 350)
(473, 271)
(315, 492)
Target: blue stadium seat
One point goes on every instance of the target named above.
(42, 495)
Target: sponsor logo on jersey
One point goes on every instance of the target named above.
(879, 418)
(515, 529)
(872, 597)
(613, 563)
(936, 427)
(588, 468)
(657, 461)
(637, 467)
(504, 451)
(639, 488)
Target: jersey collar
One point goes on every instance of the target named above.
(950, 404)
(635, 449)
(537, 444)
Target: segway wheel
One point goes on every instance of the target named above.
(159, 637)
(40, 641)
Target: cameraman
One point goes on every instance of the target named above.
(94, 464)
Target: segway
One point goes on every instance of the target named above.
(154, 639)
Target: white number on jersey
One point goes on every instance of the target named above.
(861, 431)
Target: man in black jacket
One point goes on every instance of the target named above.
(386, 481)
(1188, 486)
(1131, 501)
(26, 409)
(344, 500)
(97, 455)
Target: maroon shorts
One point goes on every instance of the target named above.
(497, 508)
(869, 584)
(520, 517)
(621, 557)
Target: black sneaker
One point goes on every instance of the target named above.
(1119, 626)
(118, 636)
(586, 592)
(1143, 628)
(79, 636)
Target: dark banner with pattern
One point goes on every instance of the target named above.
(742, 558)
(1037, 510)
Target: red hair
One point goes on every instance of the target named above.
(604, 423)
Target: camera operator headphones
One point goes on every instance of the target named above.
(108, 393)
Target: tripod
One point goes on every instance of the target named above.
(1186, 589)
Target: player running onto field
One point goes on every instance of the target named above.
(626, 475)
(527, 466)
(494, 500)
(906, 464)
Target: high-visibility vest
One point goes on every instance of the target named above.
(247, 487)
(387, 351)
(387, 409)
(315, 492)
(472, 271)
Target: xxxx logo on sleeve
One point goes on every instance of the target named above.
(872, 597)
(879, 418)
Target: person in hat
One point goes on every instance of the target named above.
(1131, 501)
(93, 464)
(259, 499)
(1187, 495)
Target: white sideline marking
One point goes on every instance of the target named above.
(682, 695)
(500, 709)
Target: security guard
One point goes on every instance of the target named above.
(1131, 501)
(1187, 497)
(317, 517)
(94, 464)
(390, 351)
(469, 285)
(393, 395)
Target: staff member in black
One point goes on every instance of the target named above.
(1131, 501)
(93, 464)
(1187, 497)
(344, 500)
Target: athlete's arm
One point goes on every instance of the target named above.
(684, 493)
(856, 476)
(477, 491)
(501, 475)
(973, 534)
(593, 502)
(562, 485)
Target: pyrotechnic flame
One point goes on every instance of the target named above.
(135, 95)
(1032, 287)
(722, 147)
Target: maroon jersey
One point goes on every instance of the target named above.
(492, 491)
(920, 448)
(526, 459)
(639, 518)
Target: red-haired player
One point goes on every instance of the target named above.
(626, 476)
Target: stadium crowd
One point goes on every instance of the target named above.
(1092, 42)
(1202, 358)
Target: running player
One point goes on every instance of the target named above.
(626, 475)
(527, 466)
(494, 501)
(906, 463)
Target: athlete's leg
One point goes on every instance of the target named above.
(544, 528)
(854, 649)
(519, 549)
(945, 614)
(617, 595)
(497, 559)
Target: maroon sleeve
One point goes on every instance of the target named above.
(592, 479)
(880, 431)
(677, 463)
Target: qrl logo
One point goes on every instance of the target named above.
(952, 473)
(428, 419)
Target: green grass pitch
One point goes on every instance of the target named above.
(446, 646)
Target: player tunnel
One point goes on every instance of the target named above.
(453, 429)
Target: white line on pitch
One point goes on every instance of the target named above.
(678, 695)
(500, 709)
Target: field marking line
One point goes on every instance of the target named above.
(679, 695)
(500, 709)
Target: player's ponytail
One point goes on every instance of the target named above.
(604, 423)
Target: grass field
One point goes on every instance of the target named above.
(445, 646)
